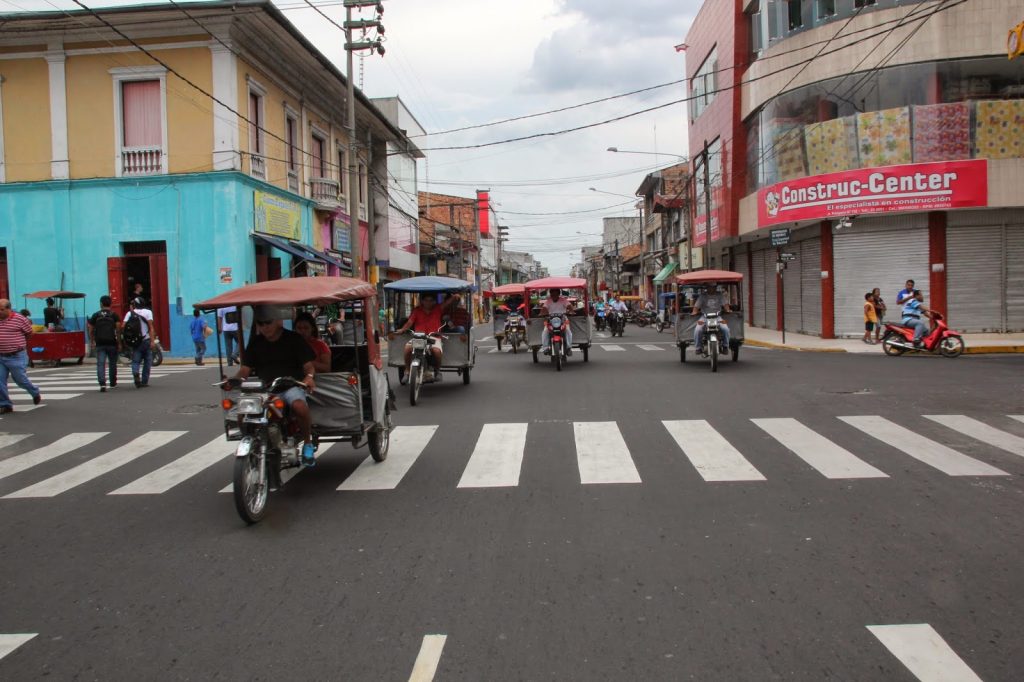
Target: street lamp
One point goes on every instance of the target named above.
(614, 194)
(630, 151)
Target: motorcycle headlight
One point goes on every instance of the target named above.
(250, 405)
(419, 343)
(556, 323)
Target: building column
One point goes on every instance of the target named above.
(59, 164)
(226, 150)
(937, 261)
(828, 286)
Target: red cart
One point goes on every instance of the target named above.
(55, 346)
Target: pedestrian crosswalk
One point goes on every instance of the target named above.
(67, 383)
(717, 453)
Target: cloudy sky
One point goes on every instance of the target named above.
(458, 63)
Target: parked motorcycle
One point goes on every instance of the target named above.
(158, 354)
(712, 345)
(898, 339)
(515, 331)
(556, 325)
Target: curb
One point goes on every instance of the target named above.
(970, 350)
(989, 350)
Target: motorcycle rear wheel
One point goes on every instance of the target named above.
(951, 347)
(889, 348)
(250, 496)
(158, 357)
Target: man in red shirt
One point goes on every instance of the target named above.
(14, 333)
(426, 318)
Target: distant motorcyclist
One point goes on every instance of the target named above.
(554, 304)
(710, 301)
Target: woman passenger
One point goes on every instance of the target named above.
(305, 325)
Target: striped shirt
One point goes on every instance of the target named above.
(14, 333)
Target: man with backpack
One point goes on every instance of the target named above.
(136, 335)
(104, 326)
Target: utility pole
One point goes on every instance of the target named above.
(707, 207)
(352, 173)
(618, 270)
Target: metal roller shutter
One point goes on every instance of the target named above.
(791, 290)
(810, 285)
(771, 296)
(974, 278)
(1015, 278)
(869, 258)
(743, 267)
(757, 277)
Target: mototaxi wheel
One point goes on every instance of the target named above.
(586, 353)
(951, 347)
(713, 347)
(249, 493)
(682, 352)
(465, 376)
(415, 382)
(736, 353)
(535, 360)
(557, 358)
(379, 440)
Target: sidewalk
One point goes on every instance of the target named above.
(976, 343)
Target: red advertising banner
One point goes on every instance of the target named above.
(483, 207)
(911, 187)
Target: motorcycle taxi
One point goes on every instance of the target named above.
(459, 356)
(688, 287)
(509, 325)
(351, 403)
(580, 323)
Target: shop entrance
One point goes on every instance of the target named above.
(267, 267)
(143, 264)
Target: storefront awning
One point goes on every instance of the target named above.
(665, 273)
(287, 246)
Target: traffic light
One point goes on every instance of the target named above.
(1015, 41)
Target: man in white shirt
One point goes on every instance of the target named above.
(142, 351)
(227, 322)
(554, 304)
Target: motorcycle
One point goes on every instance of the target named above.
(941, 339)
(600, 321)
(616, 322)
(712, 345)
(515, 331)
(158, 354)
(421, 367)
(556, 325)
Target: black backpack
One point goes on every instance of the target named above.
(132, 332)
(104, 328)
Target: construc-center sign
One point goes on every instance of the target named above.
(913, 187)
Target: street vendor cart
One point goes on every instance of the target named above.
(55, 346)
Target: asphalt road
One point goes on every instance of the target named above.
(625, 519)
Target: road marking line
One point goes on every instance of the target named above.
(87, 471)
(712, 455)
(1018, 417)
(923, 651)
(407, 444)
(610, 346)
(427, 660)
(72, 441)
(932, 453)
(821, 453)
(486, 338)
(181, 469)
(46, 396)
(498, 457)
(12, 438)
(29, 408)
(645, 346)
(602, 455)
(493, 350)
(66, 382)
(287, 474)
(980, 431)
(9, 643)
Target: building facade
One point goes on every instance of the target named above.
(896, 153)
(189, 153)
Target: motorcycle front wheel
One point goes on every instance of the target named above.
(158, 357)
(951, 347)
(250, 485)
(415, 382)
(713, 347)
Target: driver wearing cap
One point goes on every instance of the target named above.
(554, 304)
(278, 352)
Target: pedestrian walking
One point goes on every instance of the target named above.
(14, 333)
(104, 328)
(227, 322)
(876, 295)
(200, 330)
(870, 318)
(136, 335)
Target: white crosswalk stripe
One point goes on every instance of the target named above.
(828, 458)
(61, 446)
(712, 455)
(98, 466)
(287, 474)
(611, 347)
(945, 459)
(1018, 417)
(29, 408)
(407, 444)
(46, 396)
(924, 652)
(602, 455)
(9, 643)
(12, 438)
(498, 457)
(428, 658)
(644, 346)
(980, 431)
(181, 469)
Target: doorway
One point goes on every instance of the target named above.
(5, 290)
(267, 267)
(144, 264)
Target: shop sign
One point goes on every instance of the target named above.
(888, 189)
(225, 275)
(278, 216)
(780, 236)
(342, 237)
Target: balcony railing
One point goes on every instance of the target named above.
(142, 160)
(258, 167)
(326, 192)
(293, 181)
